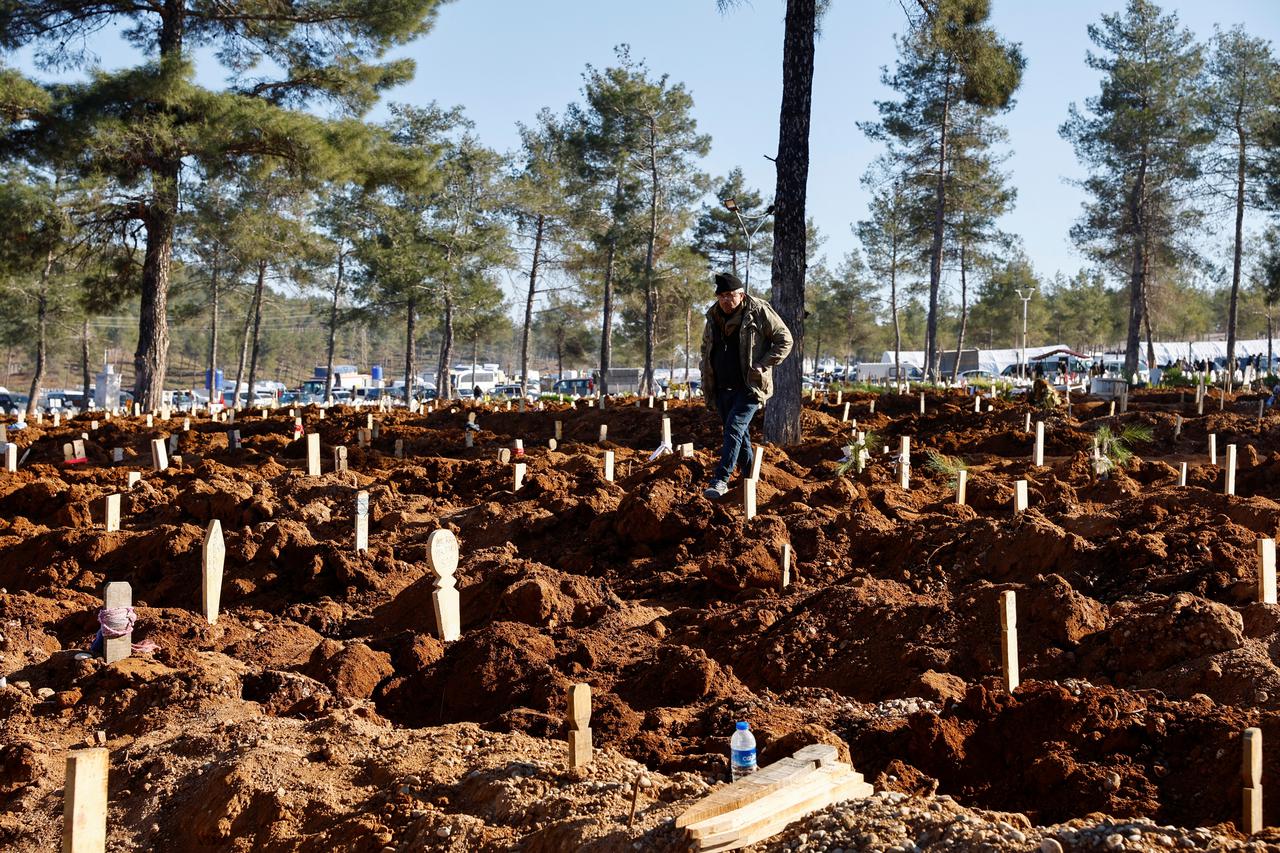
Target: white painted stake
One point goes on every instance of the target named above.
(1182, 474)
(11, 458)
(608, 465)
(757, 461)
(1019, 496)
(604, 432)
(1213, 448)
(518, 470)
(117, 594)
(1038, 456)
(133, 479)
(84, 807)
(962, 481)
(904, 463)
(442, 552)
(666, 432)
(113, 513)
(922, 402)
(749, 498)
(1026, 425)
(559, 428)
(1009, 639)
(213, 555)
(845, 416)
(362, 521)
(1251, 775)
(159, 459)
(1267, 571)
(1177, 425)
(1231, 469)
(786, 565)
(313, 454)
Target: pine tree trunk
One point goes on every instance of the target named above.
(932, 352)
(528, 307)
(688, 339)
(257, 325)
(42, 326)
(212, 383)
(244, 359)
(782, 415)
(893, 302)
(151, 358)
(650, 285)
(1237, 250)
(333, 331)
(444, 378)
(84, 360)
(411, 322)
(606, 328)
(1137, 280)
(964, 312)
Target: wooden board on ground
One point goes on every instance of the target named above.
(763, 804)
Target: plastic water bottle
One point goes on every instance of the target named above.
(742, 751)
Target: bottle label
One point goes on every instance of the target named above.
(744, 757)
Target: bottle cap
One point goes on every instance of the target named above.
(742, 725)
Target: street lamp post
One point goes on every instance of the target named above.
(1026, 298)
(749, 233)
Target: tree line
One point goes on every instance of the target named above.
(142, 191)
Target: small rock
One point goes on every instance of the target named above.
(1111, 781)
(444, 831)
(1115, 841)
(1050, 845)
(45, 693)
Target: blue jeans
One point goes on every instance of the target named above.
(736, 411)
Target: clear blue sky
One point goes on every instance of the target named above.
(503, 60)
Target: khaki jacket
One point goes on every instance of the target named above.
(765, 341)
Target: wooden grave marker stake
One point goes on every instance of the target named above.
(504, 455)
(749, 498)
(604, 431)
(1026, 424)
(470, 440)
(517, 476)
(117, 594)
(686, 450)
(873, 406)
(1038, 456)
(786, 565)
(313, 454)
(11, 458)
(845, 416)
(151, 421)
(1019, 496)
(1267, 571)
(1182, 474)
(1231, 469)
(579, 720)
(340, 458)
(213, 555)
(904, 463)
(977, 403)
(399, 448)
(608, 465)
(84, 807)
(1213, 448)
(1009, 639)
(117, 454)
(442, 553)
(1251, 775)
(666, 432)
(362, 521)
(133, 479)
(962, 482)
(552, 444)
(159, 459)
(922, 402)
(559, 430)
(757, 461)
(112, 505)
(1177, 425)
(517, 447)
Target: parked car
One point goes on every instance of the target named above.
(978, 375)
(582, 386)
(514, 391)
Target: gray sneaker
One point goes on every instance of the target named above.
(717, 490)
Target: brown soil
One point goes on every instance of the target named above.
(322, 713)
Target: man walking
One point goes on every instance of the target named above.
(743, 339)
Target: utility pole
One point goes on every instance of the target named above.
(732, 205)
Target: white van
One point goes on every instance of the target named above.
(467, 381)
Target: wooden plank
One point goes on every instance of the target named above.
(853, 788)
(819, 780)
(213, 553)
(760, 783)
(84, 809)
